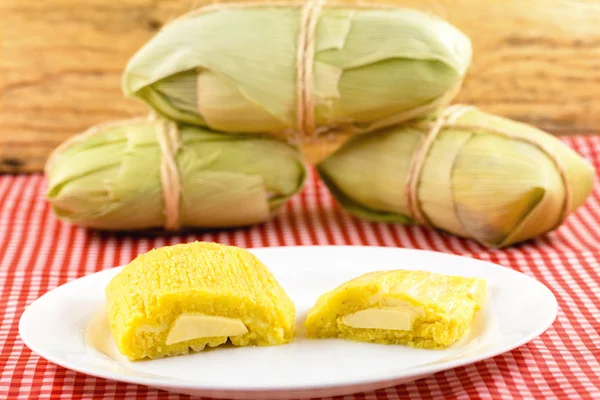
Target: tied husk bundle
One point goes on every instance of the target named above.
(149, 173)
(295, 70)
(237, 83)
(469, 173)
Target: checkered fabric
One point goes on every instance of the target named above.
(38, 253)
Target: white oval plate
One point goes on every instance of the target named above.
(518, 309)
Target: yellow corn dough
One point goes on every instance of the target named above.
(176, 298)
(415, 308)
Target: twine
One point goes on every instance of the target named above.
(448, 119)
(168, 138)
(305, 112)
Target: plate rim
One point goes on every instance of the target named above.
(394, 375)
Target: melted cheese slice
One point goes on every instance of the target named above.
(398, 318)
(197, 326)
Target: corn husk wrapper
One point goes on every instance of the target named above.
(475, 183)
(111, 179)
(235, 69)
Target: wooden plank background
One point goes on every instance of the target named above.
(61, 60)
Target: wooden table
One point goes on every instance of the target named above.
(61, 61)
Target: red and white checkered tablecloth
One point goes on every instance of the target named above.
(38, 253)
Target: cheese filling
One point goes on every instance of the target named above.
(398, 318)
(197, 326)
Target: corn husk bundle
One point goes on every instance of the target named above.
(151, 173)
(470, 173)
(236, 83)
(295, 70)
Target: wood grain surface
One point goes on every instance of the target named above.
(61, 61)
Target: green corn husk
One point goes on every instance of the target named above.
(475, 183)
(111, 179)
(234, 70)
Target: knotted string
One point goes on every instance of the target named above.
(448, 117)
(305, 112)
(168, 139)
